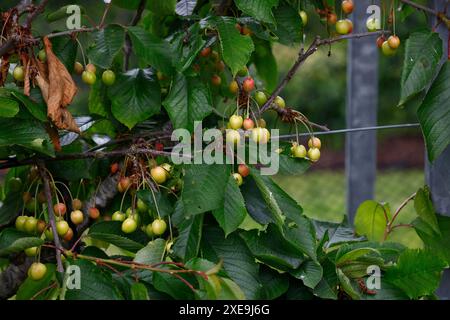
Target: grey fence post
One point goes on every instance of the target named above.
(361, 110)
(437, 174)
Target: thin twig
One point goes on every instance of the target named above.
(39, 9)
(51, 215)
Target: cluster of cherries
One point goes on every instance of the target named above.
(88, 74)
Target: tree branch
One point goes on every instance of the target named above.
(128, 45)
(440, 15)
(303, 55)
(39, 9)
(51, 216)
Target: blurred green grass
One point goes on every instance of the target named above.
(322, 195)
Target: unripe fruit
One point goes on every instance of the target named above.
(78, 68)
(62, 227)
(236, 122)
(129, 211)
(118, 216)
(15, 184)
(31, 252)
(69, 235)
(59, 209)
(42, 55)
(331, 18)
(32, 206)
(77, 204)
(159, 226)
(260, 98)
(124, 184)
(94, 213)
(298, 150)
(304, 16)
(76, 217)
(149, 230)
(88, 77)
(216, 80)
(314, 154)
(248, 124)
(108, 77)
(243, 170)
(394, 42)
(233, 137)
(20, 222)
(249, 84)
(233, 87)
(347, 6)
(114, 168)
(314, 142)
(31, 225)
(19, 73)
(141, 206)
(129, 225)
(373, 24)
(350, 23)
(243, 72)
(41, 225)
(387, 50)
(205, 52)
(342, 27)
(380, 40)
(262, 123)
(220, 66)
(168, 168)
(37, 271)
(49, 234)
(215, 56)
(279, 102)
(238, 178)
(260, 135)
(41, 198)
(26, 197)
(91, 68)
(158, 174)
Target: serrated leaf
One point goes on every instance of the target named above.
(163, 204)
(259, 9)
(347, 286)
(204, 187)
(111, 232)
(422, 55)
(152, 253)
(65, 49)
(8, 107)
(185, 7)
(190, 234)
(292, 166)
(274, 284)
(352, 255)
(236, 48)
(310, 272)
(266, 65)
(370, 220)
(10, 207)
(107, 44)
(174, 287)
(233, 212)
(38, 110)
(98, 100)
(425, 209)
(95, 284)
(188, 52)
(189, 100)
(434, 116)
(135, 97)
(288, 24)
(327, 286)
(14, 241)
(139, 291)
(238, 262)
(436, 243)
(151, 49)
(417, 273)
(337, 233)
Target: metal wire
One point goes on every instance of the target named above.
(350, 130)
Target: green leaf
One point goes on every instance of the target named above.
(327, 287)
(151, 49)
(174, 287)
(38, 110)
(189, 100)
(65, 48)
(238, 261)
(274, 283)
(270, 248)
(139, 291)
(352, 255)
(292, 166)
(10, 207)
(266, 65)
(95, 284)
(434, 115)
(347, 286)
(8, 107)
(30, 134)
(111, 232)
(436, 243)
(14, 241)
(233, 212)
(35, 289)
(425, 210)
(288, 25)
(135, 97)
(422, 56)
(204, 187)
(62, 13)
(72, 169)
(98, 101)
(230, 290)
(188, 242)
(165, 207)
(310, 272)
(107, 44)
(152, 253)
(236, 48)
(259, 9)
(188, 52)
(417, 273)
(337, 233)
(370, 220)
(162, 7)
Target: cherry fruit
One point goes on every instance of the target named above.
(249, 84)
(243, 170)
(236, 122)
(238, 178)
(77, 217)
(129, 225)
(248, 124)
(37, 271)
(158, 174)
